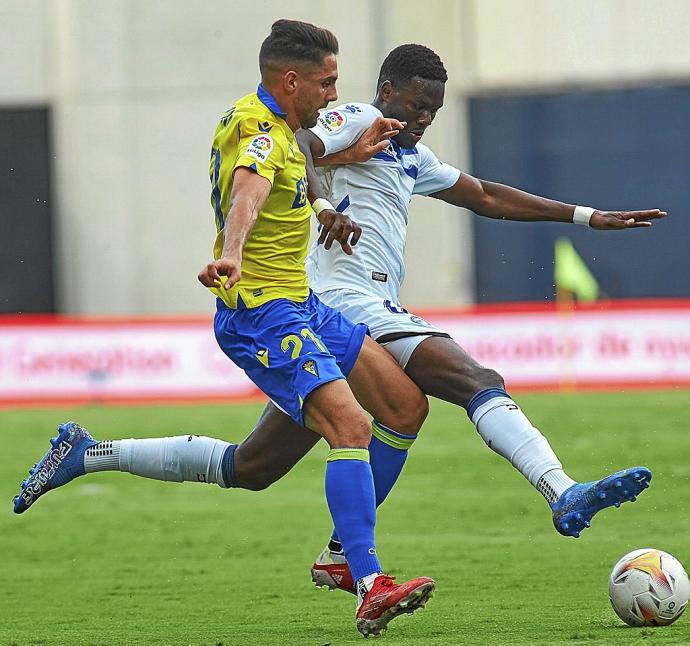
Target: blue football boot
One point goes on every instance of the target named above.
(63, 462)
(573, 511)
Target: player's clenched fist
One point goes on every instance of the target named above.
(210, 276)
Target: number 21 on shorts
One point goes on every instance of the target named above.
(294, 344)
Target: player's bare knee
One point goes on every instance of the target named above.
(411, 413)
(488, 378)
(350, 431)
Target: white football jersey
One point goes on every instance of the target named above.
(375, 194)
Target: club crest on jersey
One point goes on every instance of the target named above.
(260, 148)
(310, 366)
(332, 121)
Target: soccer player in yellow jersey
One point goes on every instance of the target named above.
(297, 350)
(269, 323)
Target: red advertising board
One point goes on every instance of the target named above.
(621, 344)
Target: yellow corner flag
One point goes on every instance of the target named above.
(571, 274)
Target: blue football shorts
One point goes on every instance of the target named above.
(288, 349)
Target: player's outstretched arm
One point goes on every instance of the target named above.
(503, 202)
(335, 226)
(249, 192)
(373, 140)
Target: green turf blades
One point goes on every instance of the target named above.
(193, 564)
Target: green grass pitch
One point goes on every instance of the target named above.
(116, 559)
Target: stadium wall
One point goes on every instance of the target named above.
(617, 148)
(68, 360)
(135, 89)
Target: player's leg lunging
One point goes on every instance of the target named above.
(506, 429)
(508, 432)
(441, 368)
(75, 453)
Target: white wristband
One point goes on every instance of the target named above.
(321, 204)
(582, 215)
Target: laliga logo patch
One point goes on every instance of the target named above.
(260, 148)
(332, 120)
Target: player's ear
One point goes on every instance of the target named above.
(290, 81)
(386, 90)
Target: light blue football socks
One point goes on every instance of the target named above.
(507, 431)
(182, 458)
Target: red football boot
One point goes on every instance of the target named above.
(386, 600)
(332, 572)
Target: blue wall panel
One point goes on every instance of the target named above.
(611, 149)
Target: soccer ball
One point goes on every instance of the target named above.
(648, 587)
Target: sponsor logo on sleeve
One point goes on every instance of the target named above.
(332, 121)
(260, 148)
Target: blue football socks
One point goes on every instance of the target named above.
(387, 455)
(352, 502)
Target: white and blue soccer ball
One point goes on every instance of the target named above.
(648, 587)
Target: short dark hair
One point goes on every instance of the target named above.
(292, 40)
(408, 61)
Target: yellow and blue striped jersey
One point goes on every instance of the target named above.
(254, 134)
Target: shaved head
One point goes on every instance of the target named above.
(293, 44)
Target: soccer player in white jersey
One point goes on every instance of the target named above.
(365, 286)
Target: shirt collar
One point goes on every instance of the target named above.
(400, 151)
(269, 101)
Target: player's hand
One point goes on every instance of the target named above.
(338, 227)
(607, 220)
(375, 139)
(229, 268)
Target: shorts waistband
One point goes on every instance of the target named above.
(222, 305)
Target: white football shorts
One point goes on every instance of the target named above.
(390, 324)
